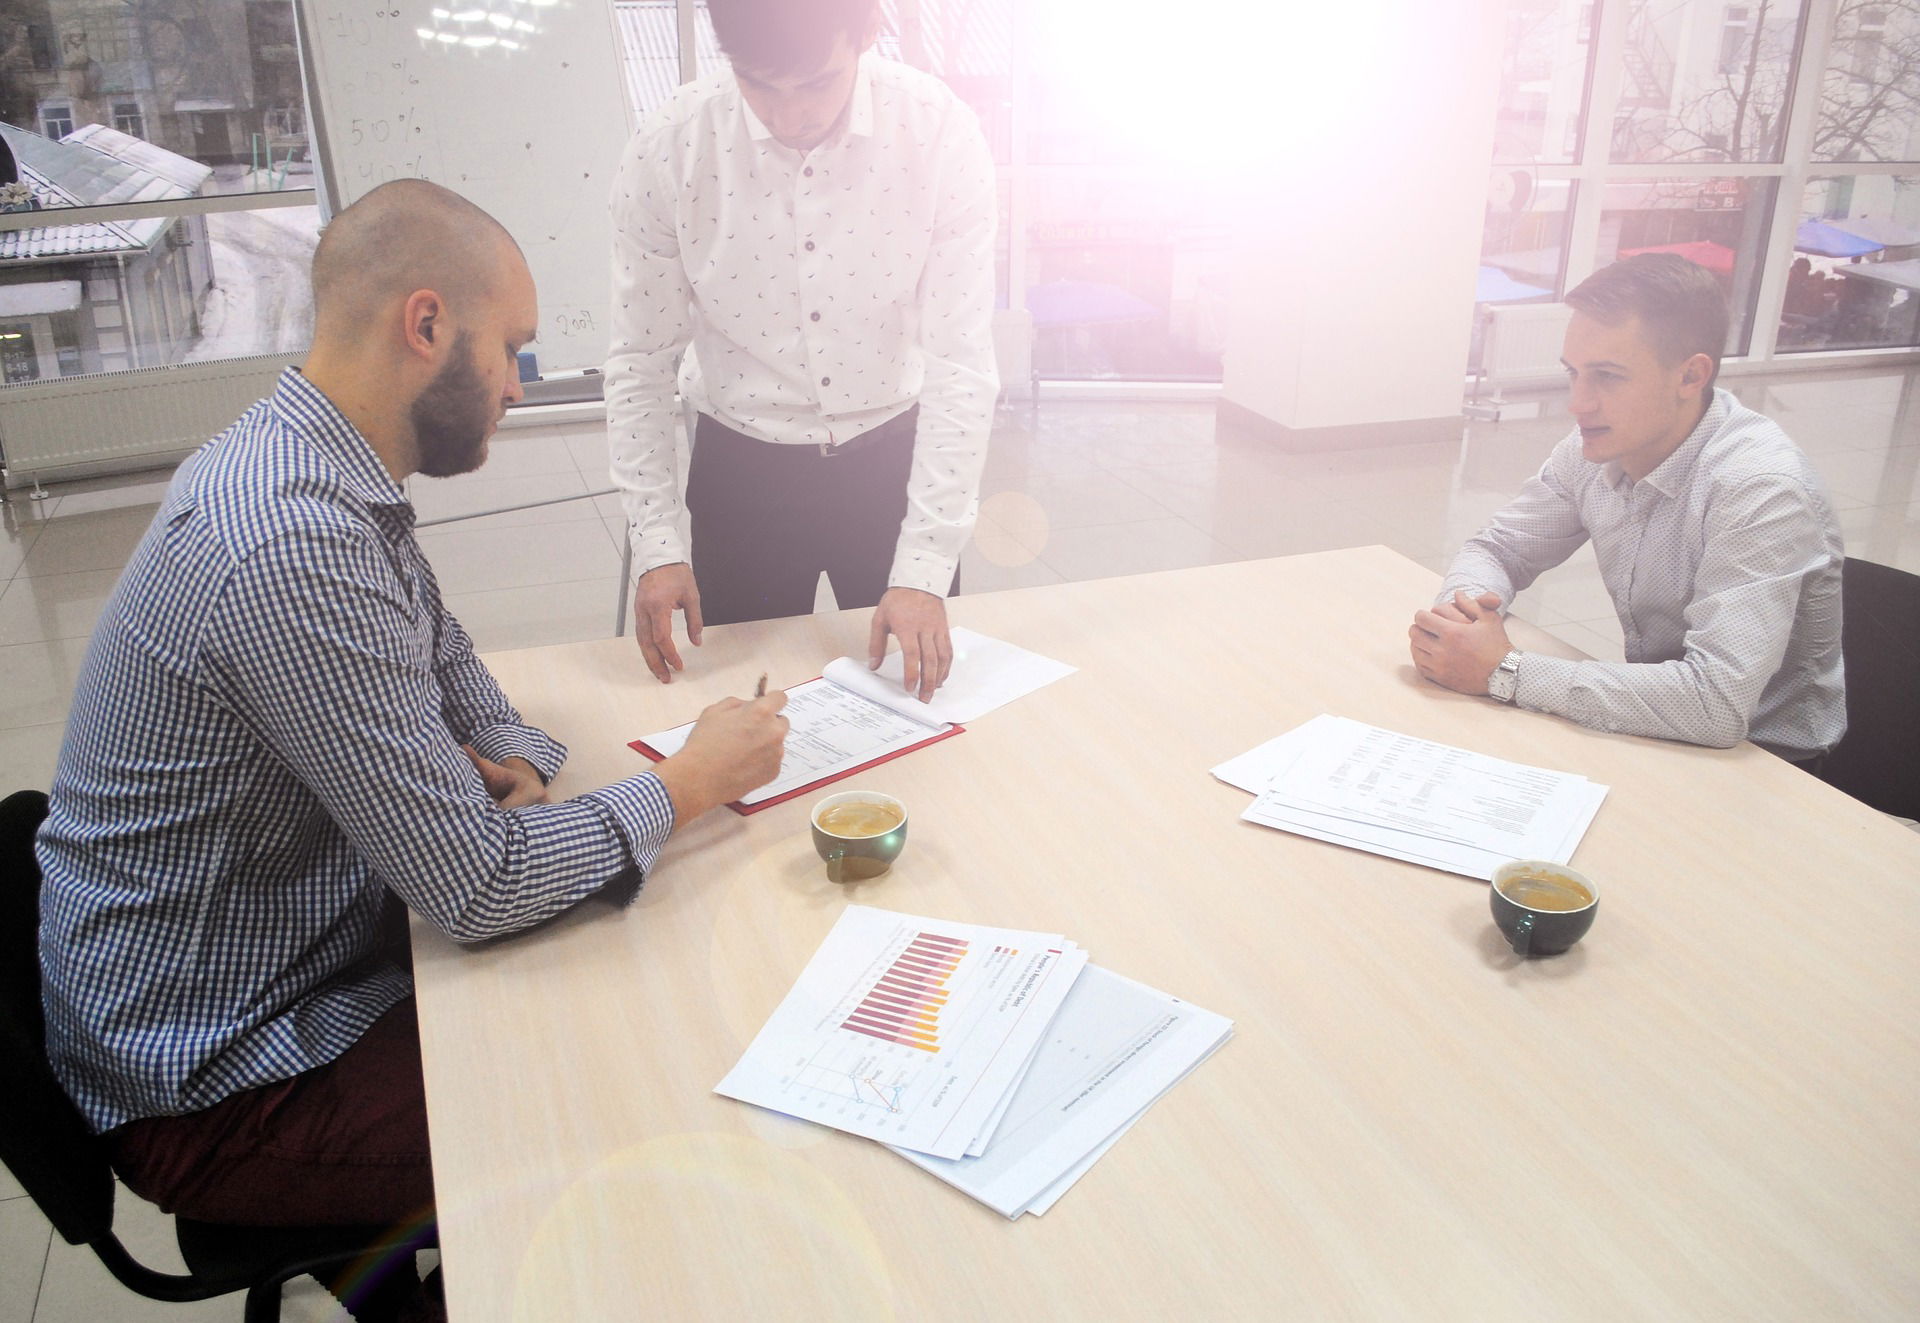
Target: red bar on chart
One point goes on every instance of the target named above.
(903, 1005)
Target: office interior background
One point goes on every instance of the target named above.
(1269, 282)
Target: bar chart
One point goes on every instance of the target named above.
(908, 1029)
(904, 1004)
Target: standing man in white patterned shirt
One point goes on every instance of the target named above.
(1713, 533)
(816, 224)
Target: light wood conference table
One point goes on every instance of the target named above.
(1705, 1111)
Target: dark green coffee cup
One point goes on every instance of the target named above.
(1541, 907)
(859, 833)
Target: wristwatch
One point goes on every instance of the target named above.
(1505, 678)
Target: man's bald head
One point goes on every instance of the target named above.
(404, 236)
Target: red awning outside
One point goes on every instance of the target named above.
(1716, 257)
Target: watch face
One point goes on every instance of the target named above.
(1504, 680)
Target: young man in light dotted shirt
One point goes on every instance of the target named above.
(803, 248)
(1713, 533)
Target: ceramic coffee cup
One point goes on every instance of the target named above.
(859, 833)
(1542, 908)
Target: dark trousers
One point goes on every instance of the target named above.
(344, 1144)
(768, 520)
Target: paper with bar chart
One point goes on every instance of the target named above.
(907, 1030)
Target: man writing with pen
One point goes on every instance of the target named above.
(281, 737)
(803, 245)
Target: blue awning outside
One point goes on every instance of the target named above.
(1086, 303)
(1496, 286)
(1826, 240)
(1891, 233)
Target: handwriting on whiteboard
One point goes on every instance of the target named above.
(570, 322)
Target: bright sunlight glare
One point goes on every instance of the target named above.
(1210, 82)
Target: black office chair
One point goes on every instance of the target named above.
(64, 1166)
(1878, 761)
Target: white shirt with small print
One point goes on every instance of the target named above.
(1724, 567)
(822, 293)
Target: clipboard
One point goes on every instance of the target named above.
(744, 809)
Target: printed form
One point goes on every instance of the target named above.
(1394, 794)
(833, 730)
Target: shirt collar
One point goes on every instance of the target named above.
(859, 115)
(1670, 477)
(319, 421)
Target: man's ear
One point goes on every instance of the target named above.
(422, 322)
(1695, 374)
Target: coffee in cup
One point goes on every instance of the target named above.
(1541, 907)
(859, 833)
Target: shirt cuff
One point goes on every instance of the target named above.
(653, 549)
(498, 743)
(642, 814)
(922, 570)
(1544, 684)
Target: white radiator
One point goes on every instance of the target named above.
(111, 421)
(1523, 341)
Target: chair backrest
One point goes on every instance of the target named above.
(1878, 762)
(44, 1140)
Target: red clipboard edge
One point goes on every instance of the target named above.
(641, 746)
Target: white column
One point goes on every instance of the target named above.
(1360, 246)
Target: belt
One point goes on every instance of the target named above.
(899, 424)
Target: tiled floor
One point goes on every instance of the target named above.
(1073, 491)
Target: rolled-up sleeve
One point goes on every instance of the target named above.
(345, 691)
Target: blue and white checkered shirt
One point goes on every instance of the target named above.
(265, 746)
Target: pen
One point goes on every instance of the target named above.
(760, 690)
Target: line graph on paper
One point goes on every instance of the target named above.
(871, 1083)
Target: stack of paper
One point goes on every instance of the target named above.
(995, 1058)
(987, 673)
(1357, 785)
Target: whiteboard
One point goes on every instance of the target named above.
(516, 105)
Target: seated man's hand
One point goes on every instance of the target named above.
(1458, 644)
(734, 747)
(512, 783)
(1451, 611)
(661, 592)
(919, 621)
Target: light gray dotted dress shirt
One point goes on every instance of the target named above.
(1724, 566)
(822, 293)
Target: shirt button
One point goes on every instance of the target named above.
(826, 381)
(808, 172)
(816, 316)
(809, 245)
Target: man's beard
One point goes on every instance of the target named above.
(453, 416)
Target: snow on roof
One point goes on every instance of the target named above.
(95, 166)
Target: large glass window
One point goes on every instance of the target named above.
(1707, 98)
(1543, 82)
(1705, 81)
(1717, 223)
(1523, 248)
(1854, 282)
(1126, 277)
(1870, 93)
(159, 104)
